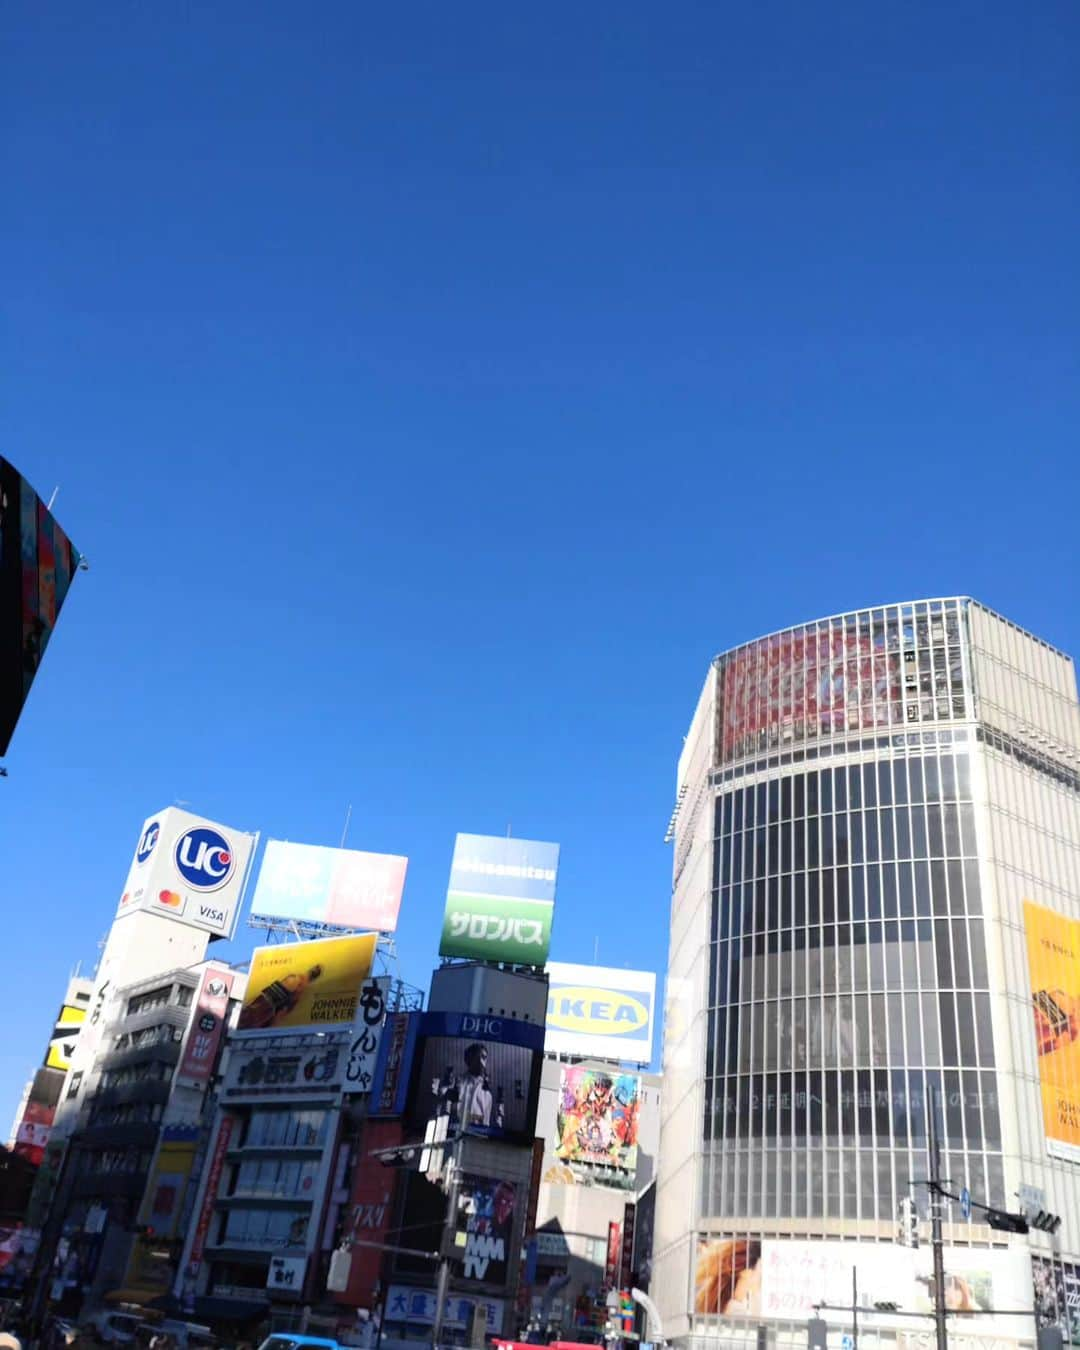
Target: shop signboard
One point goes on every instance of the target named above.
(599, 1012)
(285, 1274)
(483, 1241)
(311, 1067)
(207, 1028)
(407, 1304)
(393, 1065)
(190, 870)
(343, 887)
(614, 1254)
(500, 900)
(37, 566)
(598, 1119)
(1053, 948)
(365, 1037)
(64, 1037)
(299, 985)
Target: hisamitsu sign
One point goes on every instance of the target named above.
(500, 900)
(600, 1012)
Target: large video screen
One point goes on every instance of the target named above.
(483, 1072)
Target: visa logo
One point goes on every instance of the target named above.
(212, 915)
(596, 1011)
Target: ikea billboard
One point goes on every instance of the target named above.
(600, 1013)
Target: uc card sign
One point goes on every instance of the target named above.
(601, 1013)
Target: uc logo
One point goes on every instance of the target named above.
(147, 842)
(592, 1012)
(204, 859)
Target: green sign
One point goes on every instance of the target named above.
(496, 928)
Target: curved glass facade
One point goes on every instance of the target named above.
(869, 809)
(847, 973)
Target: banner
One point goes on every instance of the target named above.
(1053, 947)
(37, 565)
(213, 1181)
(598, 1119)
(393, 1065)
(366, 1035)
(1057, 1295)
(305, 984)
(188, 869)
(595, 1011)
(614, 1255)
(338, 886)
(207, 1028)
(500, 900)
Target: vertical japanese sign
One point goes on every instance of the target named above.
(500, 900)
(213, 1181)
(1053, 946)
(394, 1063)
(207, 1028)
(366, 1035)
(614, 1255)
(626, 1265)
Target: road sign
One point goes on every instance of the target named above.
(847, 1342)
(965, 1203)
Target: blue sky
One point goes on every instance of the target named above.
(434, 389)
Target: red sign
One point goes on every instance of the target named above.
(614, 1255)
(207, 1027)
(33, 1132)
(213, 1181)
(371, 1211)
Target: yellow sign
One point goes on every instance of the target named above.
(65, 1033)
(70, 1016)
(1053, 944)
(596, 1012)
(305, 984)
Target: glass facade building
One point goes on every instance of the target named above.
(865, 803)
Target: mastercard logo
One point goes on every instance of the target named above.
(171, 898)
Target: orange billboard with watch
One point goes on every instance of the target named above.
(1053, 947)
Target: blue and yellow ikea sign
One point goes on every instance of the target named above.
(599, 1012)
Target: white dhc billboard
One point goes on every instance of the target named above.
(602, 1013)
(188, 869)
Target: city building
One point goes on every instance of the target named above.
(875, 920)
(117, 1211)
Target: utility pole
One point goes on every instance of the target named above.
(935, 1222)
(442, 1285)
(854, 1308)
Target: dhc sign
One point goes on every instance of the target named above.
(600, 1012)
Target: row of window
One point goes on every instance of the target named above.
(275, 1176)
(176, 995)
(914, 780)
(831, 1183)
(875, 1030)
(148, 1036)
(136, 1073)
(904, 890)
(889, 834)
(849, 957)
(886, 1106)
(263, 1227)
(116, 1160)
(285, 1128)
(134, 1113)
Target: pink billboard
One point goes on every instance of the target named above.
(207, 1027)
(339, 886)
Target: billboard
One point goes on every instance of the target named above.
(483, 1071)
(366, 1035)
(600, 1012)
(500, 900)
(797, 685)
(188, 869)
(339, 886)
(37, 564)
(790, 1278)
(1053, 948)
(598, 1119)
(306, 984)
(1057, 1295)
(206, 1029)
(63, 1040)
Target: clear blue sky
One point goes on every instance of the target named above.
(435, 388)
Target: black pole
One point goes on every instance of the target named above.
(854, 1308)
(935, 1224)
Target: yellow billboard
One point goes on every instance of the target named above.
(305, 984)
(1053, 946)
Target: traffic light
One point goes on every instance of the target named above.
(908, 1223)
(1005, 1222)
(1045, 1222)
